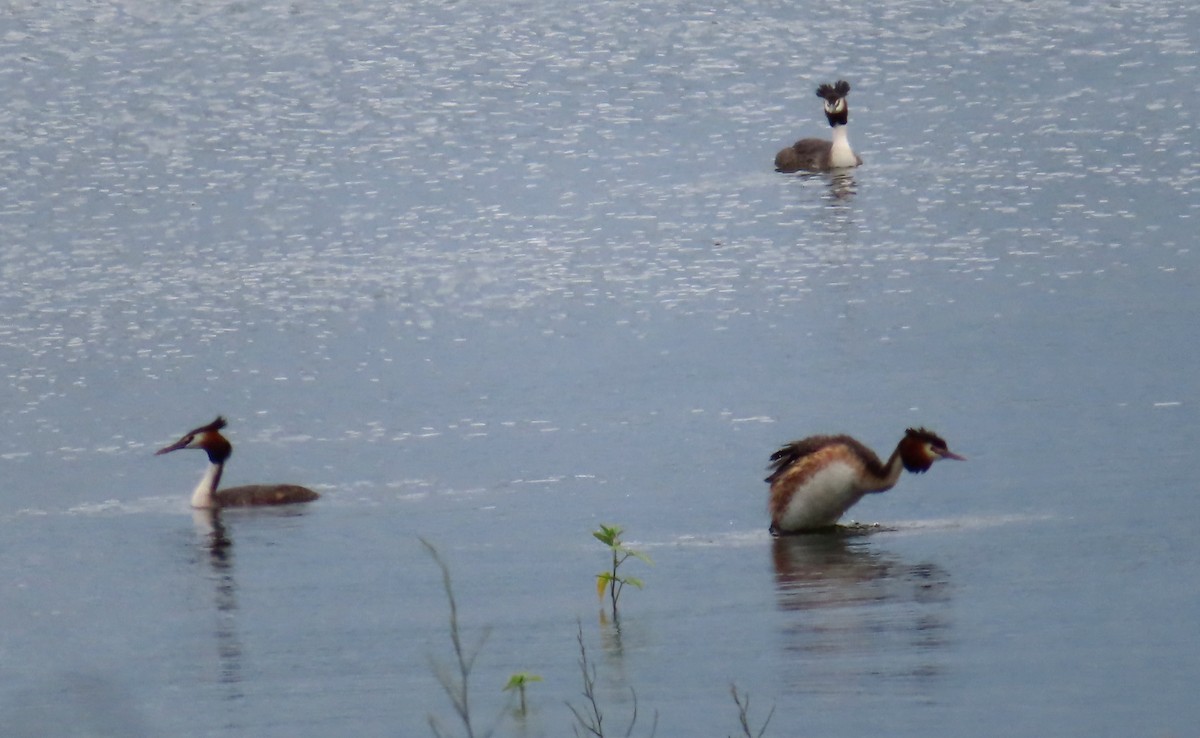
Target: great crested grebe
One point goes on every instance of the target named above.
(817, 154)
(219, 449)
(817, 479)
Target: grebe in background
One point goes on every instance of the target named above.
(219, 449)
(817, 154)
(817, 479)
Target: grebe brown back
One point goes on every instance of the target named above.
(207, 496)
(818, 154)
(814, 481)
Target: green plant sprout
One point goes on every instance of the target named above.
(610, 535)
(519, 681)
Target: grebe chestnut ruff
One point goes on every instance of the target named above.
(209, 439)
(817, 154)
(814, 481)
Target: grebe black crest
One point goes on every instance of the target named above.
(832, 93)
(814, 481)
(208, 438)
(817, 154)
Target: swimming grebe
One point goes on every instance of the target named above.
(817, 154)
(219, 449)
(817, 479)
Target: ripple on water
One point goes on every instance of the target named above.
(179, 180)
(448, 257)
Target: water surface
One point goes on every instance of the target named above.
(495, 273)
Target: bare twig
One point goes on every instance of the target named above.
(456, 680)
(591, 718)
(743, 703)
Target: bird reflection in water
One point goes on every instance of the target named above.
(212, 529)
(219, 545)
(842, 185)
(881, 618)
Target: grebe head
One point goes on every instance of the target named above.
(837, 112)
(920, 448)
(206, 437)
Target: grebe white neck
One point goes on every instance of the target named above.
(841, 155)
(204, 497)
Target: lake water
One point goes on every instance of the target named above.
(494, 273)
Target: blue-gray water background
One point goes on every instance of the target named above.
(492, 273)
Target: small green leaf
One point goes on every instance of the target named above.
(520, 679)
(632, 580)
(637, 555)
(602, 581)
(609, 535)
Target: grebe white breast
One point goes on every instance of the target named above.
(818, 154)
(208, 438)
(814, 481)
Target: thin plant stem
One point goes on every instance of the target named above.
(456, 685)
(591, 718)
(743, 703)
